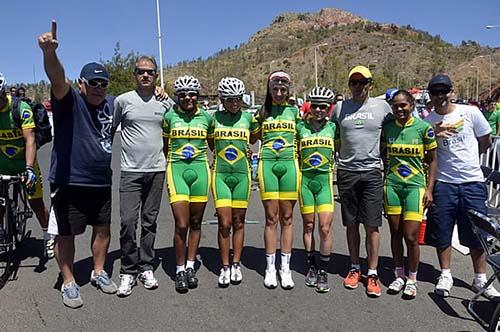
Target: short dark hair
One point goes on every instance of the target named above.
(406, 94)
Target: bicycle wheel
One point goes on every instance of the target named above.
(21, 213)
(7, 247)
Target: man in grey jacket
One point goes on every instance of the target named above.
(140, 114)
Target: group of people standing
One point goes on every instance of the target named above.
(431, 164)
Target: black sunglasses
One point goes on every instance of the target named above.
(437, 91)
(96, 83)
(358, 82)
(321, 106)
(187, 94)
(233, 99)
(140, 71)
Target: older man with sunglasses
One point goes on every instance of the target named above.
(140, 115)
(462, 134)
(359, 176)
(80, 169)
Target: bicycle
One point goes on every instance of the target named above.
(16, 212)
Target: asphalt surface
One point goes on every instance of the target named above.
(32, 302)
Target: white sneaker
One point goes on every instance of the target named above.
(270, 280)
(148, 279)
(396, 286)
(286, 279)
(224, 277)
(490, 293)
(127, 281)
(443, 286)
(236, 275)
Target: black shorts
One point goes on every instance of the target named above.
(361, 197)
(75, 207)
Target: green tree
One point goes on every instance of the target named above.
(121, 71)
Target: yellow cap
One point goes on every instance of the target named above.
(361, 70)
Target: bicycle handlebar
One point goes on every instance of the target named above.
(5, 177)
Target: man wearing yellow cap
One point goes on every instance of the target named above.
(359, 176)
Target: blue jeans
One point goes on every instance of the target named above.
(451, 203)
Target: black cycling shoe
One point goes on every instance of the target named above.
(181, 284)
(192, 281)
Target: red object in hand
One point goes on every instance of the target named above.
(421, 233)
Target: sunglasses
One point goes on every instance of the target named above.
(443, 91)
(321, 106)
(358, 82)
(187, 94)
(140, 71)
(96, 83)
(233, 99)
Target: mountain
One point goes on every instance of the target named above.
(391, 51)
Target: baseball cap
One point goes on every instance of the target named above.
(361, 70)
(94, 70)
(440, 79)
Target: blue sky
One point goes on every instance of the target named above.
(89, 30)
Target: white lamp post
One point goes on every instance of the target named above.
(316, 61)
(159, 41)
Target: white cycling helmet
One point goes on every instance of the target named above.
(231, 87)
(187, 83)
(3, 83)
(321, 95)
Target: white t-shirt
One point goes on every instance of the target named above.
(458, 156)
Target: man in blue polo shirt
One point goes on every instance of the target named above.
(80, 169)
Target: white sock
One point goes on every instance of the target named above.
(412, 276)
(356, 266)
(179, 268)
(285, 261)
(46, 236)
(446, 272)
(370, 272)
(480, 277)
(189, 264)
(270, 259)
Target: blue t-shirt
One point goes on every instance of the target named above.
(81, 154)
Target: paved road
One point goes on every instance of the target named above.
(33, 302)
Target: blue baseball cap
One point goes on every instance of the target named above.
(440, 79)
(94, 70)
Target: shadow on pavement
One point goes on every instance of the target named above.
(484, 309)
(445, 307)
(84, 267)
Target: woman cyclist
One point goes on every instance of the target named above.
(278, 174)
(233, 130)
(185, 130)
(315, 136)
(408, 140)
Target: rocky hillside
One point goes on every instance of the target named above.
(391, 51)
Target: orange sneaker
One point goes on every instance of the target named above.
(373, 286)
(352, 279)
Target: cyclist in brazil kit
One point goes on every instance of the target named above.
(408, 142)
(233, 130)
(315, 136)
(185, 130)
(278, 174)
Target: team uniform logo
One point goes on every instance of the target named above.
(315, 160)
(278, 144)
(231, 154)
(11, 150)
(26, 114)
(430, 133)
(187, 152)
(404, 171)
